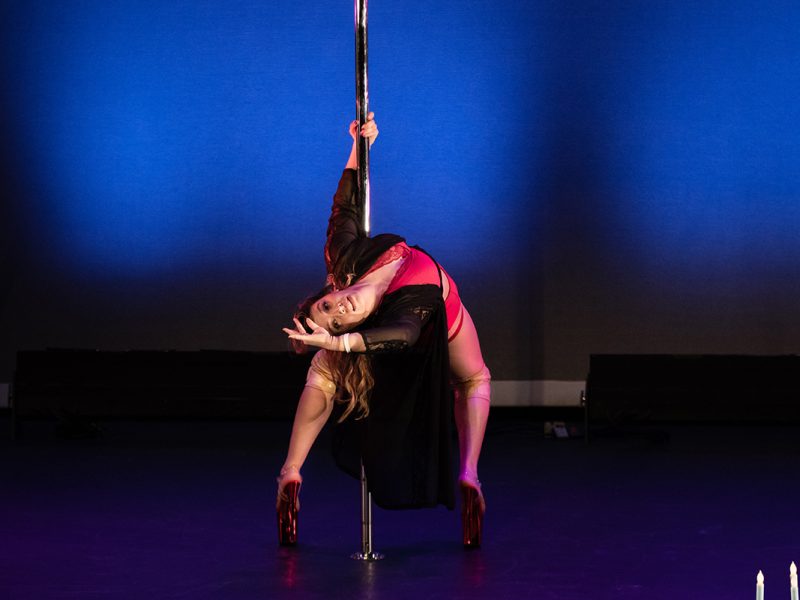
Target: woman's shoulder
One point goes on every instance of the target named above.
(411, 299)
(366, 251)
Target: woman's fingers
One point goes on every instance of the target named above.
(299, 325)
(313, 325)
(298, 331)
(370, 132)
(301, 333)
(369, 128)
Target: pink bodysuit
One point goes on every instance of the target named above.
(418, 269)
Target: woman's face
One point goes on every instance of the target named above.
(341, 311)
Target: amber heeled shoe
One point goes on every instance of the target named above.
(473, 508)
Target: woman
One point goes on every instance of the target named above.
(390, 326)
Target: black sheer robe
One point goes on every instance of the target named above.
(406, 440)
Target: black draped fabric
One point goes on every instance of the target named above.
(406, 440)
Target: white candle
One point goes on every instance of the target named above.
(793, 580)
(760, 586)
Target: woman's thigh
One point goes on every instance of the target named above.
(466, 359)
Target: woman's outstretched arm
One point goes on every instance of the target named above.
(312, 413)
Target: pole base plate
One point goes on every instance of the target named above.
(367, 556)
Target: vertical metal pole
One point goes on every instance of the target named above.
(366, 515)
(362, 108)
(362, 149)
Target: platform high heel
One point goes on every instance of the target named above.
(287, 514)
(472, 510)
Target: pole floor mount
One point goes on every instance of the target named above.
(367, 553)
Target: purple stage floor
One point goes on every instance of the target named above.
(186, 510)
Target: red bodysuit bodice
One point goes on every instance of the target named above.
(418, 268)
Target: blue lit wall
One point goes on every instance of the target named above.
(599, 177)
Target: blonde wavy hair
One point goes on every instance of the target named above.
(351, 372)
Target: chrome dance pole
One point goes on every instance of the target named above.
(362, 108)
(362, 149)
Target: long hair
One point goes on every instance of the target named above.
(351, 372)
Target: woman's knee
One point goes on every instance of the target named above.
(478, 385)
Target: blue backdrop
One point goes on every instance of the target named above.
(597, 176)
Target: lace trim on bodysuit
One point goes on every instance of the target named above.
(423, 274)
(394, 253)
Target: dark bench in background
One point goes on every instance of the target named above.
(156, 384)
(706, 388)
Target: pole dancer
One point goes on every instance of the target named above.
(393, 337)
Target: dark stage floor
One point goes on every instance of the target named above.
(186, 510)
